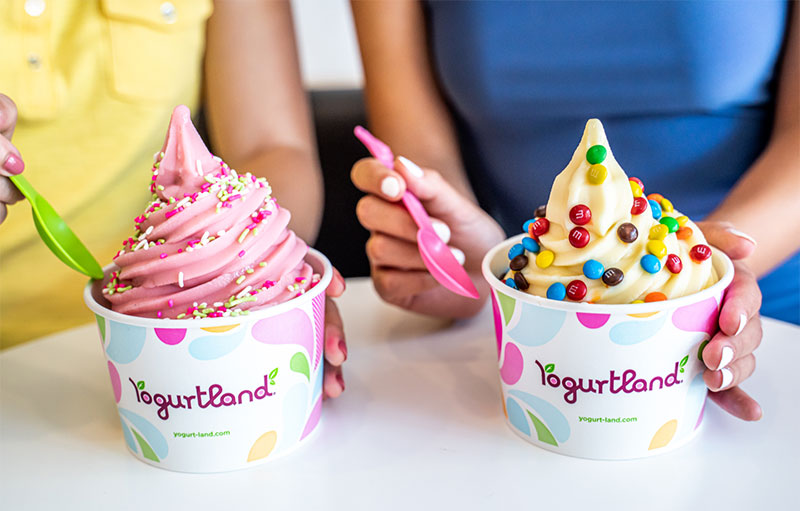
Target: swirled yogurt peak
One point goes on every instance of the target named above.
(600, 239)
(211, 243)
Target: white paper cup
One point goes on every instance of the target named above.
(602, 381)
(217, 394)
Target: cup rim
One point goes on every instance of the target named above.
(720, 260)
(265, 312)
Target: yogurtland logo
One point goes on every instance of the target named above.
(627, 382)
(214, 395)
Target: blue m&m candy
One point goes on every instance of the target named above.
(510, 283)
(516, 250)
(530, 244)
(650, 263)
(593, 269)
(655, 207)
(557, 291)
(527, 224)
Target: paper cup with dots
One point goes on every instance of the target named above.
(217, 394)
(602, 381)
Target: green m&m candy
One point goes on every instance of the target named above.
(596, 154)
(670, 222)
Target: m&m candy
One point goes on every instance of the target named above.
(519, 262)
(657, 248)
(596, 154)
(521, 281)
(627, 232)
(556, 291)
(638, 182)
(670, 223)
(541, 211)
(580, 214)
(576, 290)
(674, 263)
(650, 263)
(516, 250)
(636, 189)
(527, 224)
(655, 296)
(655, 207)
(530, 244)
(613, 276)
(658, 232)
(684, 233)
(666, 205)
(539, 227)
(510, 283)
(593, 269)
(639, 206)
(700, 253)
(579, 237)
(682, 220)
(596, 174)
(655, 196)
(545, 258)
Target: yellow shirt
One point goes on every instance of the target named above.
(94, 83)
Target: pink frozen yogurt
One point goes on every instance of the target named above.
(211, 243)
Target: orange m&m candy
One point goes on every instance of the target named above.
(684, 233)
(655, 297)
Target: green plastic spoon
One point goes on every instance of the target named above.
(56, 234)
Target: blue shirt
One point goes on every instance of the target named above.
(685, 90)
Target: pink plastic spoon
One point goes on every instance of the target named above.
(436, 255)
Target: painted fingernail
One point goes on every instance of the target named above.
(742, 323)
(14, 164)
(343, 348)
(741, 235)
(340, 379)
(390, 186)
(727, 378)
(725, 359)
(442, 230)
(459, 255)
(411, 167)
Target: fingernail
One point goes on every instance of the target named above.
(442, 230)
(390, 186)
(742, 235)
(411, 167)
(742, 323)
(725, 359)
(459, 255)
(343, 348)
(340, 379)
(14, 164)
(727, 377)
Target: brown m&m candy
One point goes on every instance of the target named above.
(519, 262)
(541, 211)
(613, 276)
(627, 232)
(521, 281)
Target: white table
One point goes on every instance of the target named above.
(419, 427)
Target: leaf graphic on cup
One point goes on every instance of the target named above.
(549, 368)
(140, 384)
(272, 375)
(683, 362)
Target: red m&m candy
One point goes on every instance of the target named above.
(578, 237)
(700, 253)
(674, 263)
(539, 227)
(639, 206)
(580, 214)
(576, 290)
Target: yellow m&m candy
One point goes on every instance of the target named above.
(636, 189)
(545, 258)
(666, 206)
(657, 248)
(682, 220)
(658, 232)
(596, 174)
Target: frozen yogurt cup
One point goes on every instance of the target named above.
(602, 381)
(217, 394)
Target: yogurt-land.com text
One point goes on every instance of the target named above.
(607, 420)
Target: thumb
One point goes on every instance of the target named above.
(736, 244)
(8, 116)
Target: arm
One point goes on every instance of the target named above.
(403, 102)
(764, 202)
(257, 110)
